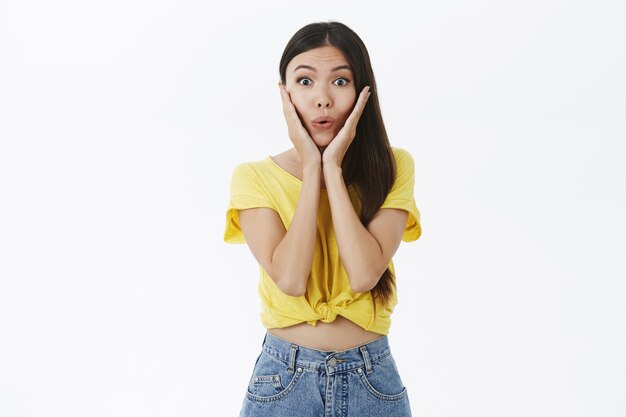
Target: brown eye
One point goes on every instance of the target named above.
(304, 81)
(341, 82)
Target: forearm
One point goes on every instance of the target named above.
(292, 258)
(360, 253)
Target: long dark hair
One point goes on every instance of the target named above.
(369, 164)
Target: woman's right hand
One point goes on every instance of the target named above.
(307, 149)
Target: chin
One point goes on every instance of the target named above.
(323, 140)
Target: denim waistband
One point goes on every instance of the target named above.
(298, 356)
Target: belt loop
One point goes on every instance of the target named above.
(366, 359)
(292, 358)
(264, 339)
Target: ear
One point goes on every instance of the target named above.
(283, 84)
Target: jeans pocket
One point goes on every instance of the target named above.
(384, 382)
(271, 379)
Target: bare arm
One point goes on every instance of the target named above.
(286, 255)
(364, 252)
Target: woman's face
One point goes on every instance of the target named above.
(321, 87)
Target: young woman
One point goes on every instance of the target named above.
(323, 219)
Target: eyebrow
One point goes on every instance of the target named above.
(340, 67)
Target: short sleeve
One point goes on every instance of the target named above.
(401, 194)
(246, 191)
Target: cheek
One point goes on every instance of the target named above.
(345, 105)
(298, 101)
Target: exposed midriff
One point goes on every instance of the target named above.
(340, 334)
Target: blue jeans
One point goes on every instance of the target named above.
(295, 381)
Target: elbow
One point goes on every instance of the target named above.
(290, 286)
(365, 280)
(360, 288)
(363, 283)
(293, 291)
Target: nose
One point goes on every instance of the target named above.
(323, 99)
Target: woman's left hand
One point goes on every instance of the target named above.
(333, 154)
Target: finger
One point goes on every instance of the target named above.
(359, 106)
(284, 95)
(289, 110)
(363, 97)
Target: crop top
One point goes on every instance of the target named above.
(263, 183)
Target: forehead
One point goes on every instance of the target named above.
(322, 58)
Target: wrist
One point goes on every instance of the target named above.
(312, 168)
(332, 170)
(312, 159)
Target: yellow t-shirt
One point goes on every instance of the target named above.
(265, 184)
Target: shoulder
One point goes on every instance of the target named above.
(252, 165)
(404, 160)
(401, 154)
(251, 168)
(250, 176)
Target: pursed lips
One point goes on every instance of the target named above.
(323, 122)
